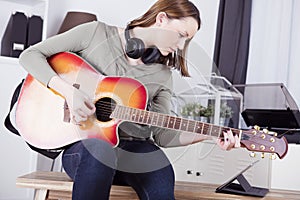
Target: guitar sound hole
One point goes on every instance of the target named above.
(104, 108)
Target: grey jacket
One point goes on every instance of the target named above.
(100, 45)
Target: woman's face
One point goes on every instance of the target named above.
(171, 34)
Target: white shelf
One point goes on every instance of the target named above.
(29, 7)
(4, 60)
(25, 2)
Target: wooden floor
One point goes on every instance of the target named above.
(57, 185)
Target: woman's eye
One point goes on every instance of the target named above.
(180, 35)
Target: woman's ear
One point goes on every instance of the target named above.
(161, 18)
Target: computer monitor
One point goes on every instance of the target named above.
(269, 105)
(272, 118)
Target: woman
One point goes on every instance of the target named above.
(146, 50)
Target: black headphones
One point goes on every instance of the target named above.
(135, 48)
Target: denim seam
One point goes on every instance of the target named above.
(72, 154)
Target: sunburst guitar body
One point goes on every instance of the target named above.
(42, 115)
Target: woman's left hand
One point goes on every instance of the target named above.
(229, 141)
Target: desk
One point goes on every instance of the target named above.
(57, 185)
(202, 191)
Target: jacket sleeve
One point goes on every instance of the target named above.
(34, 59)
(161, 103)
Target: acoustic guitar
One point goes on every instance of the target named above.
(43, 119)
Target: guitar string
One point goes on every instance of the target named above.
(107, 107)
(206, 127)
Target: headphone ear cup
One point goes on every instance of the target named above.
(151, 55)
(134, 48)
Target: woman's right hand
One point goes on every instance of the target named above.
(79, 104)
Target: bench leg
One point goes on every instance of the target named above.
(40, 194)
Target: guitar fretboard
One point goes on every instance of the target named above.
(166, 121)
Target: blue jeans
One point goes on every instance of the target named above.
(94, 166)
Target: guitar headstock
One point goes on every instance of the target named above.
(256, 140)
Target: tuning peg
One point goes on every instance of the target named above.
(262, 147)
(272, 139)
(256, 127)
(262, 155)
(273, 156)
(266, 131)
(252, 154)
(273, 133)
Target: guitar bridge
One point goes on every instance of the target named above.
(67, 114)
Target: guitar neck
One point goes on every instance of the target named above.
(166, 121)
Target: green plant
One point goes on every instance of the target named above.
(225, 111)
(186, 110)
(209, 111)
(199, 110)
(193, 109)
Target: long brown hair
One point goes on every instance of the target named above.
(175, 9)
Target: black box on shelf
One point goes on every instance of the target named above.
(15, 35)
(34, 30)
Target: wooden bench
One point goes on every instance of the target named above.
(57, 185)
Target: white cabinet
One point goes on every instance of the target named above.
(206, 163)
(16, 157)
(285, 173)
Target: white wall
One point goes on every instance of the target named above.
(274, 44)
(274, 58)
